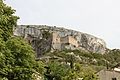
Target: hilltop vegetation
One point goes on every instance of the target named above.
(108, 59)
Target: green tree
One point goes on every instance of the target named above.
(17, 58)
(57, 70)
(7, 20)
(81, 72)
(2, 58)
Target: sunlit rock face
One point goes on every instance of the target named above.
(59, 39)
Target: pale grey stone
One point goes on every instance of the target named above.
(85, 41)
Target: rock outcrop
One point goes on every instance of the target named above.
(45, 38)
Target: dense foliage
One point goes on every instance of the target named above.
(78, 64)
(65, 65)
(7, 20)
(113, 57)
(17, 60)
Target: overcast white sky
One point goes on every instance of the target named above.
(100, 18)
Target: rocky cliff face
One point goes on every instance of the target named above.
(59, 38)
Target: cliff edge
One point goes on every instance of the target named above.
(45, 38)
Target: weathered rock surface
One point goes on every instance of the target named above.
(59, 39)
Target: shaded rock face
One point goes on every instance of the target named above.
(59, 39)
(41, 46)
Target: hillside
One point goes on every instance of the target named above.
(63, 50)
(44, 38)
(40, 52)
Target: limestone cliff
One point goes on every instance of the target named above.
(45, 38)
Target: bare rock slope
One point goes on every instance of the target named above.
(59, 39)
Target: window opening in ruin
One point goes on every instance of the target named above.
(74, 46)
(67, 43)
(114, 79)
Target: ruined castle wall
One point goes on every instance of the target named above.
(64, 39)
(55, 38)
(73, 41)
(70, 40)
(56, 46)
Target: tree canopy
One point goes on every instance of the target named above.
(7, 20)
(17, 58)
